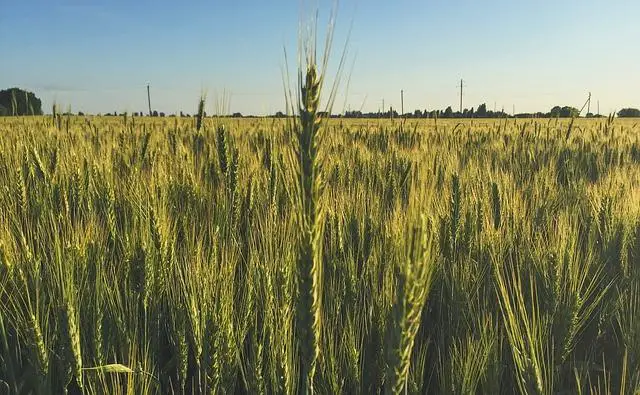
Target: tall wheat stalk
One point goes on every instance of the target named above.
(309, 267)
(307, 131)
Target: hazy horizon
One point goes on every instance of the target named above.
(99, 57)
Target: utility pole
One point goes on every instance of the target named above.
(598, 107)
(461, 86)
(514, 110)
(586, 104)
(384, 110)
(149, 99)
(402, 102)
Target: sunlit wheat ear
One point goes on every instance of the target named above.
(309, 270)
(525, 326)
(200, 115)
(42, 360)
(495, 205)
(415, 277)
(305, 129)
(54, 114)
(72, 357)
(221, 145)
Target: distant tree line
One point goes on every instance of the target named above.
(18, 102)
(480, 112)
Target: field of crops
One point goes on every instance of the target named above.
(142, 255)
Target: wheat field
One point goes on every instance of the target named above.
(159, 256)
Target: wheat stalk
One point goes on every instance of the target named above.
(200, 115)
(309, 269)
(415, 277)
(306, 129)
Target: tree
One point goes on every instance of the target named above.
(564, 112)
(482, 111)
(555, 112)
(467, 113)
(629, 113)
(448, 113)
(16, 101)
(154, 113)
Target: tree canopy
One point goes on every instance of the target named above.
(629, 113)
(15, 101)
(564, 112)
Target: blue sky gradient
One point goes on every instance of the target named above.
(98, 56)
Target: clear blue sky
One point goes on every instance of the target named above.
(97, 56)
